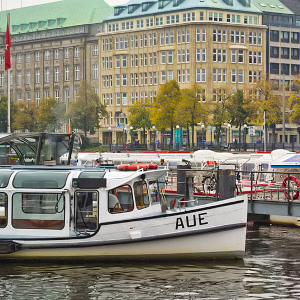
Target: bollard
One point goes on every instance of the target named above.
(226, 181)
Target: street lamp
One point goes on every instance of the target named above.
(131, 132)
(202, 127)
(124, 137)
(109, 137)
(229, 126)
(245, 135)
(177, 127)
(154, 133)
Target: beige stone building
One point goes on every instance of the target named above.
(214, 44)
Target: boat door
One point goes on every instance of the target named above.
(86, 210)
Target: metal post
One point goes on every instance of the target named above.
(177, 127)
(109, 137)
(131, 132)
(202, 126)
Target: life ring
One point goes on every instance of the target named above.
(297, 182)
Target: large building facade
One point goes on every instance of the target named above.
(54, 48)
(218, 45)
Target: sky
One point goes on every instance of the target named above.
(11, 4)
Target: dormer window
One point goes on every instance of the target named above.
(118, 10)
(132, 8)
(245, 2)
(177, 2)
(162, 3)
(147, 5)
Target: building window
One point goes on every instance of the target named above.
(163, 77)
(67, 73)
(38, 97)
(47, 75)
(37, 56)
(56, 74)
(77, 72)
(47, 54)
(1, 78)
(201, 75)
(233, 76)
(67, 52)
(76, 51)
(95, 71)
(67, 95)
(37, 76)
(56, 53)
(56, 95)
(241, 76)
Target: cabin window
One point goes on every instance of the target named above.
(154, 192)
(38, 211)
(141, 194)
(86, 211)
(120, 199)
(40, 180)
(3, 210)
(4, 178)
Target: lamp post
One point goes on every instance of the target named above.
(109, 137)
(202, 127)
(245, 134)
(131, 133)
(124, 137)
(177, 127)
(154, 137)
(229, 126)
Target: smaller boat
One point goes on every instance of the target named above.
(67, 212)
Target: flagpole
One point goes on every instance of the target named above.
(8, 88)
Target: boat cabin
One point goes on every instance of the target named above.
(72, 202)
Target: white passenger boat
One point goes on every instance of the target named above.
(55, 212)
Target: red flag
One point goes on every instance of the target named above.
(7, 49)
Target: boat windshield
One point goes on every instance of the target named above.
(40, 179)
(4, 177)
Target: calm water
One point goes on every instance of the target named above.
(270, 270)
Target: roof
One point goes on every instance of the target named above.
(168, 6)
(293, 5)
(272, 6)
(61, 14)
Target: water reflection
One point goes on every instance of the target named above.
(270, 270)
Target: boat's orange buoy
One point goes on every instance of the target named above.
(135, 167)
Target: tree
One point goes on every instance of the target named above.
(269, 103)
(26, 116)
(162, 112)
(50, 114)
(189, 110)
(219, 113)
(140, 116)
(86, 110)
(3, 113)
(294, 102)
(240, 110)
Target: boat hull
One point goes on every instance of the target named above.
(215, 230)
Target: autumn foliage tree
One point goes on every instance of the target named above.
(294, 103)
(270, 103)
(139, 116)
(162, 112)
(190, 111)
(26, 116)
(240, 110)
(86, 110)
(50, 114)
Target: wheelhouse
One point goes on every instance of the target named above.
(43, 202)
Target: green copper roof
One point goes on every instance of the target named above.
(272, 6)
(167, 6)
(61, 14)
